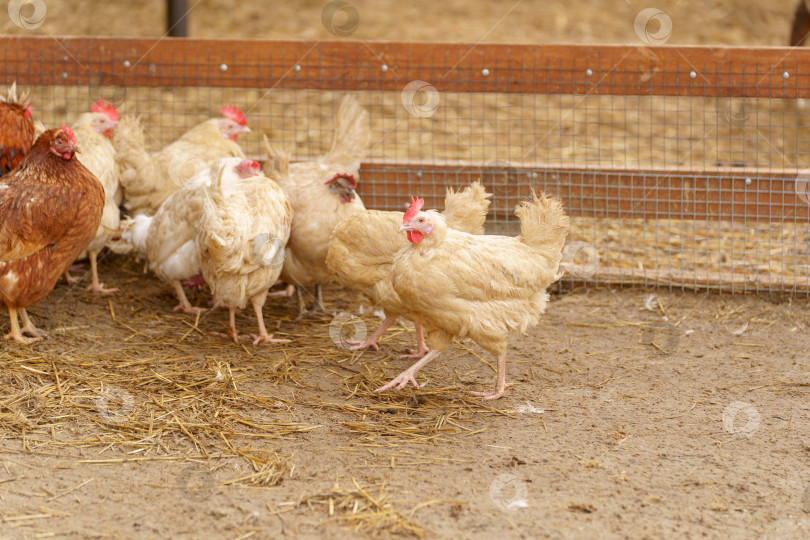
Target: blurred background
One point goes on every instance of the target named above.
(725, 22)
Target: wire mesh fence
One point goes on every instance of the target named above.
(682, 167)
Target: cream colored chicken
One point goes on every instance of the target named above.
(363, 246)
(241, 237)
(148, 180)
(459, 285)
(168, 239)
(322, 193)
(93, 130)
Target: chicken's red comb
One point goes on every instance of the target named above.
(69, 133)
(352, 181)
(413, 209)
(108, 109)
(248, 165)
(233, 113)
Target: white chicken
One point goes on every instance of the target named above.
(93, 130)
(322, 193)
(148, 180)
(363, 247)
(461, 285)
(244, 227)
(168, 239)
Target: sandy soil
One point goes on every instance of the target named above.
(675, 421)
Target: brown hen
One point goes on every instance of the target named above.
(50, 209)
(16, 129)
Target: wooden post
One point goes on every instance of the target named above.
(177, 18)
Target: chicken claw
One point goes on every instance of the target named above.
(191, 310)
(407, 376)
(421, 349)
(95, 285)
(19, 338)
(100, 289)
(184, 305)
(362, 345)
(71, 280)
(493, 393)
(263, 336)
(17, 334)
(29, 328)
(415, 353)
(267, 338)
(500, 385)
(401, 381)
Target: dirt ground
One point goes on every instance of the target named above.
(680, 416)
(683, 415)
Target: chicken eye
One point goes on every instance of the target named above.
(421, 220)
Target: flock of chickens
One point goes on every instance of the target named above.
(201, 213)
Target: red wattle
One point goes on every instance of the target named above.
(414, 236)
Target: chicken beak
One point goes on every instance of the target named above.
(245, 129)
(405, 227)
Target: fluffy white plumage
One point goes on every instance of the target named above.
(243, 229)
(319, 206)
(461, 285)
(148, 180)
(98, 155)
(168, 239)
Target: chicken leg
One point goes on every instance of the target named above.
(184, 305)
(317, 308)
(71, 280)
(263, 336)
(288, 291)
(500, 385)
(407, 376)
(16, 334)
(95, 285)
(372, 340)
(29, 328)
(421, 348)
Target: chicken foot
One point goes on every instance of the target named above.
(317, 307)
(263, 336)
(28, 328)
(372, 340)
(500, 386)
(95, 285)
(288, 291)
(184, 305)
(421, 348)
(407, 376)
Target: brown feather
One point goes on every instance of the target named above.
(50, 209)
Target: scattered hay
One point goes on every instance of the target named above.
(358, 509)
